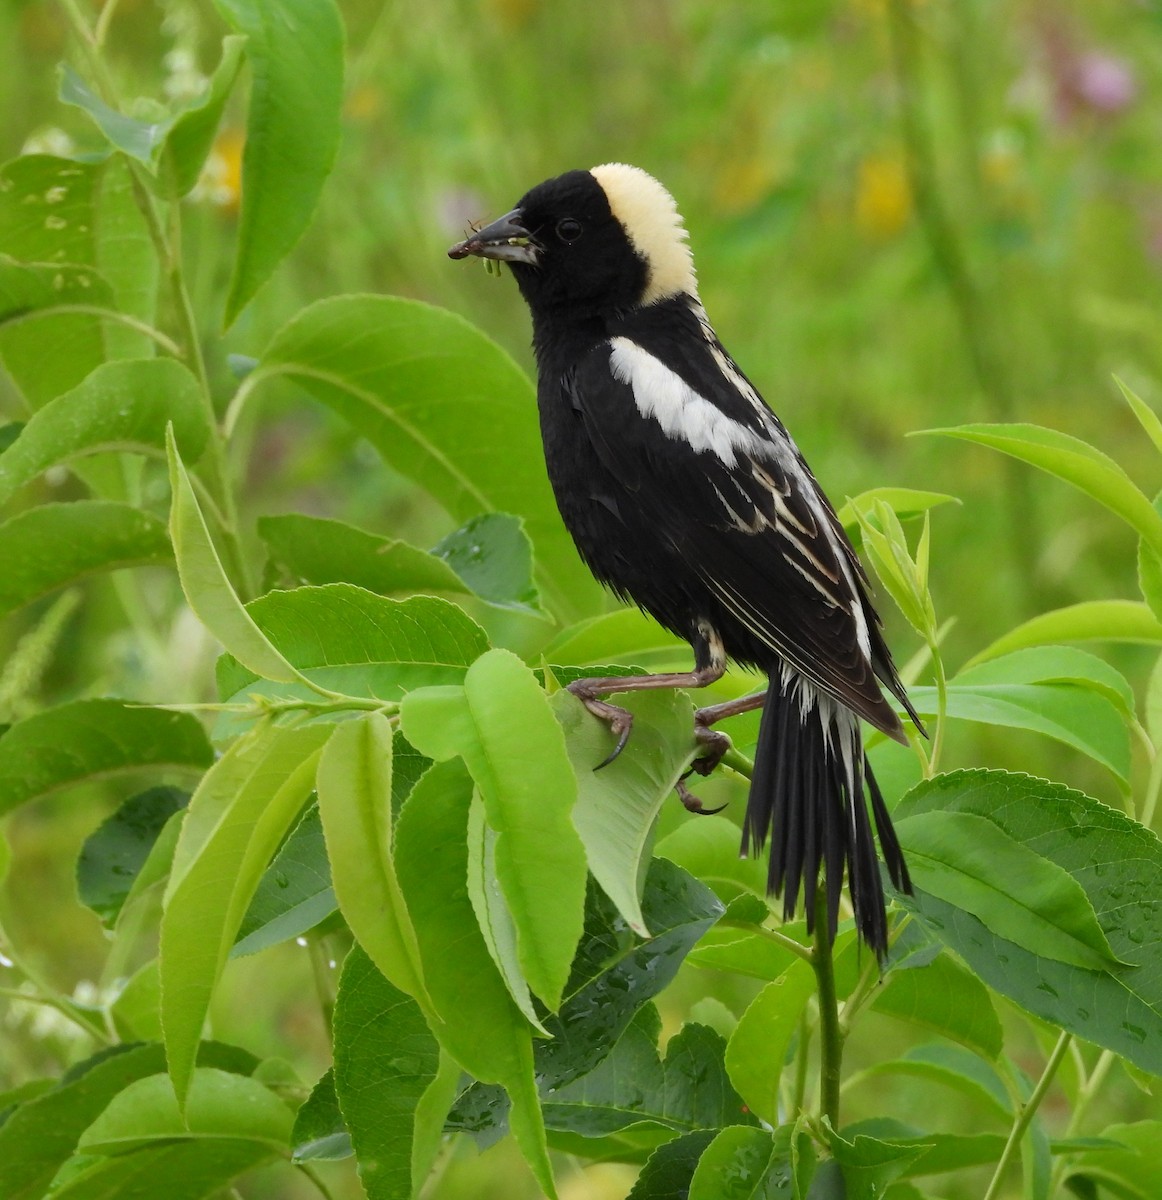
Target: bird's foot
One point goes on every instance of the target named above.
(619, 720)
(714, 746)
(692, 803)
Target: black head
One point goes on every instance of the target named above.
(590, 242)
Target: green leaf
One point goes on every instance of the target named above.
(320, 1131)
(352, 641)
(46, 209)
(195, 1169)
(446, 407)
(136, 1012)
(54, 545)
(92, 739)
(354, 782)
(501, 723)
(1119, 866)
(1134, 1171)
(624, 635)
(125, 255)
(708, 846)
(294, 894)
(493, 556)
(120, 406)
(1077, 463)
(1092, 620)
(220, 1105)
(869, 1163)
(292, 129)
(906, 503)
(945, 998)
(188, 142)
(1076, 716)
(385, 1058)
(492, 912)
(669, 1171)
(490, 557)
(47, 347)
(233, 825)
(968, 861)
(614, 976)
(758, 1048)
(430, 1115)
(1147, 417)
(488, 1037)
(115, 852)
(205, 584)
(633, 1088)
(745, 1164)
(950, 1065)
(156, 867)
(42, 1133)
(617, 806)
(1055, 664)
(138, 139)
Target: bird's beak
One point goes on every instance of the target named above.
(505, 239)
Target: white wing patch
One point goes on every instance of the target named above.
(682, 413)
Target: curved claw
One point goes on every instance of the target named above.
(692, 803)
(623, 728)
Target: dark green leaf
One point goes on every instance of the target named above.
(292, 129)
(445, 406)
(320, 1131)
(493, 556)
(113, 855)
(670, 1169)
(1117, 863)
(294, 894)
(94, 738)
(633, 1086)
(385, 1058)
(120, 406)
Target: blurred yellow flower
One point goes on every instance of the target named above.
(221, 179)
(364, 103)
(883, 199)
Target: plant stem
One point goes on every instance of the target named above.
(941, 710)
(738, 762)
(787, 943)
(830, 1035)
(1027, 1111)
(1085, 1096)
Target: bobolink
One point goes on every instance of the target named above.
(685, 494)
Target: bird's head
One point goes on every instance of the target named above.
(608, 239)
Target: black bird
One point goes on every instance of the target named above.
(685, 494)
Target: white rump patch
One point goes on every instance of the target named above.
(681, 412)
(651, 220)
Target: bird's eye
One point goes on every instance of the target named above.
(568, 230)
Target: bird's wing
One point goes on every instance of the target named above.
(735, 499)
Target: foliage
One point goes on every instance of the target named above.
(387, 773)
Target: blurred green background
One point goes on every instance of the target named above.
(905, 214)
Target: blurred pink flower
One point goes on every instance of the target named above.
(1104, 82)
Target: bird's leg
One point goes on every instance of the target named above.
(716, 744)
(709, 666)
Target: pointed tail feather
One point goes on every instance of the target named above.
(807, 797)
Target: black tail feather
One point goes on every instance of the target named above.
(807, 797)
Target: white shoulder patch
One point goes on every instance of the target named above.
(651, 220)
(683, 414)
